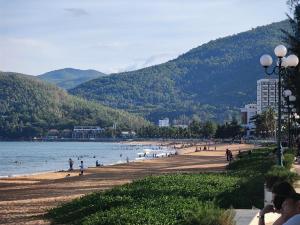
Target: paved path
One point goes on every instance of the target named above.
(245, 216)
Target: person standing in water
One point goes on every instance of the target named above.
(71, 162)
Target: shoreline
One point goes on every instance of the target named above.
(186, 150)
(153, 143)
(20, 168)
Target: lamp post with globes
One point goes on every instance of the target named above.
(287, 93)
(289, 100)
(282, 64)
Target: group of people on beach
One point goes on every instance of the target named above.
(205, 148)
(229, 155)
(81, 167)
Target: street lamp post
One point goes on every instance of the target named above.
(291, 99)
(293, 126)
(282, 63)
(287, 94)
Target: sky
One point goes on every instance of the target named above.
(37, 36)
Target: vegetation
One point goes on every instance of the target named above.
(29, 108)
(292, 80)
(265, 123)
(211, 81)
(196, 129)
(229, 130)
(69, 78)
(176, 198)
(163, 199)
(279, 173)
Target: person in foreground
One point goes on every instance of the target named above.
(280, 192)
(291, 209)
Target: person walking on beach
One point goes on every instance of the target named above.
(81, 168)
(227, 154)
(230, 156)
(71, 162)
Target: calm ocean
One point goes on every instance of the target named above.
(17, 158)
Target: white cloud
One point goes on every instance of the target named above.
(152, 60)
(114, 35)
(76, 12)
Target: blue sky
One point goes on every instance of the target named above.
(38, 36)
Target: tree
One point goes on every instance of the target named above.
(209, 129)
(195, 128)
(265, 123)
(229, 130)
(292, 80)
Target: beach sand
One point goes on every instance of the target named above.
(24, 199)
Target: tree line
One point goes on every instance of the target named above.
(196, 129)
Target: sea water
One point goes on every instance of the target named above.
(18, 158)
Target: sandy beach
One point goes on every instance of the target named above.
(24, 199)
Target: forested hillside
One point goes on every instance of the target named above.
(69, 78)
(30, 107)
(211, 81)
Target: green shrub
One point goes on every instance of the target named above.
(288, 160)
(279, 174)
(209, 214)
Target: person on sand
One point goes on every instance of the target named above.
(280, 192)
(81, 168)
(230, 156)
(227, 154)
(97, 163)
(71, 162)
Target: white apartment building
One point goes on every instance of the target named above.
(164, 123)
(247, 113)
(267, 94)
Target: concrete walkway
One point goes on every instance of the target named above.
(250, 217)
(245, 216)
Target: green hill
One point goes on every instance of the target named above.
(30, 107)
(211, 81)
(69, 78)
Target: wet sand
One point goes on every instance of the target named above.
(24, 199)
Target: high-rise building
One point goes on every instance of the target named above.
(267, 94)
(248, 112)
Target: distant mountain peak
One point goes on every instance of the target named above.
(69, 77)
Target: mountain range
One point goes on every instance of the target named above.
(30, 107)
(69, 78)
(210, 82)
